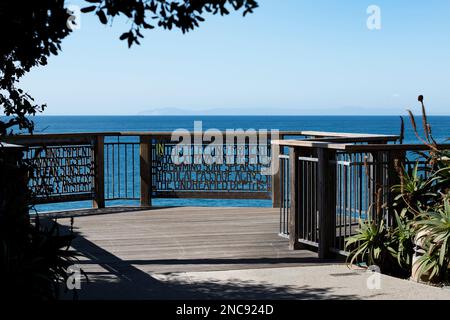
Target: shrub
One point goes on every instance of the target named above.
(422, 218)
(34, 257)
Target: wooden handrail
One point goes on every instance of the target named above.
(355, 147)
(317, 134)
(351, 135)
(123, 134)
(309, 144)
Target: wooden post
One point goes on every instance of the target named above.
(99, 182)
(326, 201)
(276, 177)
(146, 170)
(294, 190)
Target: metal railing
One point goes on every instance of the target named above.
(138, 166)
(334, 185)
(120, 170)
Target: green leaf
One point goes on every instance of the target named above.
(124, 35)
(102, 17)
(88, 9)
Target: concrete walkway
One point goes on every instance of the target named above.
(328, 282)
(308, 282)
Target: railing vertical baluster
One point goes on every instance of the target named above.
(352, 194)
(360, 179)
(307, 212)
(126, 170)
(119, 192)
(340, 202)
(288, 194)
(107, 171)
(285, 196)
(133, 170)
(281, 187)
(316, 218)
(113, 170)
(99, 181)
(355, 191)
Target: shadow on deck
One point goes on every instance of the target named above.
(133, 254)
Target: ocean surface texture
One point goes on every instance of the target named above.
(353, 124)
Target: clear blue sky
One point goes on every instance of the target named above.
(289, 57)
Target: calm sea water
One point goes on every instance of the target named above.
(352, 124)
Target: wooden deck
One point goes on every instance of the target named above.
(123, 251)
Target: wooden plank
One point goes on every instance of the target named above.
(87, 135)
(375, 140)
(326, 193)
(348, 135)
(145, 171)
(51, 140)
(389, 147)
(99, 178)
(182, 240)
(356, 148)
(309, 144)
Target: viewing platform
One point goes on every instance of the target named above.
(319, 185)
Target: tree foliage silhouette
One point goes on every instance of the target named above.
(32, 31)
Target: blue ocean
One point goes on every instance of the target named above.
(351, 124)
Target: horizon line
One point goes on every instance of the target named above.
(233, 115)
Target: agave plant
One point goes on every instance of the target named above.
(415, 192)
(442, 171)
(401, 245)
(368, 244)
(435, 259)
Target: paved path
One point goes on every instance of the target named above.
(308, 282)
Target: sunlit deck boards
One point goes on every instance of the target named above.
(186, 239)
(140, 243)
